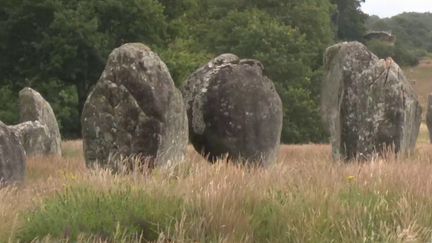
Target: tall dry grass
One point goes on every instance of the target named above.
(44, 177)
(305, 197)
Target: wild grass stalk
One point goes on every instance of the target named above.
(305, 197)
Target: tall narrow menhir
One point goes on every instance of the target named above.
(134, 110)
(367, 104)
(429, 116)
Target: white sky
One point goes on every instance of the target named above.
(388, 8)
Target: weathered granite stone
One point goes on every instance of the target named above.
(367, 103)
(429, 116)
(34, 137)
(134, 109)
(33, 107)
(234, 110)
(12, 157)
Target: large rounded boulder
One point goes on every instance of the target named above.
(12, 157)
(233, 110)
(368, 105)
(134, 110)
(38, 131)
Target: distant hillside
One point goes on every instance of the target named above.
(412, 30)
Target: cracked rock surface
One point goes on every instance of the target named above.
(134, 110)
(39, 131)
(34, 137)
(429, 116)
(233, 110)
(367, 103)
(12, 156)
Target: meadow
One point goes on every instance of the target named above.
(305, 197)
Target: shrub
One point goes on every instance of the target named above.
(381, 49)
(402, 55)
(9, 101)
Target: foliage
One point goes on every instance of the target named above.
(413, 33)
(182, 59)
(284, 36)
(8, 99)
(349, 19)
(60, 47)
(402, 55)
(67, 42)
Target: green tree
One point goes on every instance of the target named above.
(69, 40)
(349, 19)
(413, 32)
(287, 36)
(291, 55)
(8, 112)
(59, 47)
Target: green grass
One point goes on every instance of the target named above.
(120, 212)
(359, 216)
(305, 197)
(125, 214)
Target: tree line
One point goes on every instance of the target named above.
(59, 47)
(413, 32)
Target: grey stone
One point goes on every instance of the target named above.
(33, 107)
(134, 110)
(12, 157)
(429, 116)
(234, 110)
(34, 137)
(367, 104)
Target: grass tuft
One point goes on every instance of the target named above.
(305, 197)
(101, 214)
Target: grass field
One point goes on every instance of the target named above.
(305, 197)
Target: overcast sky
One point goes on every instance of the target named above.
(388, 8)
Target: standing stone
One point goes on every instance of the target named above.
(429, 116)
(134, 109)
(42, 141)
(367, 103)
(234, 110)
(34, 137)
(12, 157)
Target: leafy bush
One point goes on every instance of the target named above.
(9, 112)
(401, 54)
(413, 32)
(182, 59)
(69, 41)
(406, 57)
(381, 49)
(287, 56)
